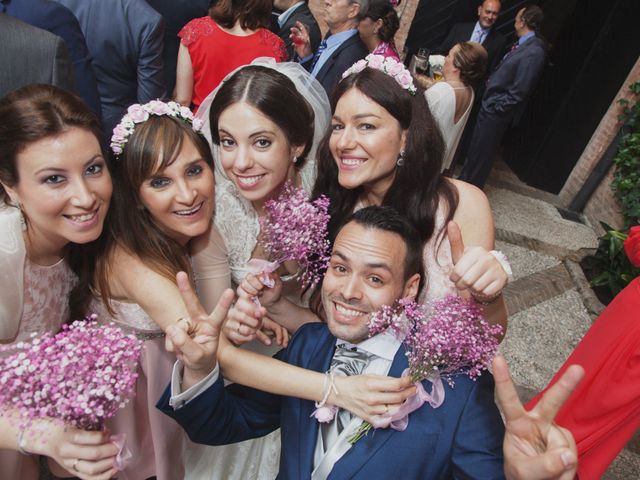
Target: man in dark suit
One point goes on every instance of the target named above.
(494, 43)
(482, 32)
(376, 259)
(57, 19)
(176, 14)
(293, 11)
(125, 39)
(340, 48)
(31, 55)
(506, 94)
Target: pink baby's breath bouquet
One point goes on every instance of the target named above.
(81, 376)
(443, 339)
(295, 229)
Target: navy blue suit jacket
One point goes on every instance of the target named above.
(125, 38)
(60, 21)
(460, 439)
(513, 80)
(348, 53)
(461, 32)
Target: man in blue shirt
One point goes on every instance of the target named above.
(340, 48)
(506, 94)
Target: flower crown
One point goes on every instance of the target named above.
(137, 113)
(388, 65)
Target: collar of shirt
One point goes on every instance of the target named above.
(478, 28)
(526, 37)
(384, 345)
(284, 16)
(333, 42)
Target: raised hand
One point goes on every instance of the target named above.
(367, 396)
(252, 286)
(475, 270)
(534, 446)
(301, 41)
(195, 341)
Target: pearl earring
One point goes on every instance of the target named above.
(400, 161)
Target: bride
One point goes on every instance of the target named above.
(263, 124)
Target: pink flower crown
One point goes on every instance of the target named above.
(137, 113)
(388, 65)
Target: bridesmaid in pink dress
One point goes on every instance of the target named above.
(163, 197)
(378, 28)
(54, 195)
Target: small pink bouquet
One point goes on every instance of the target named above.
(82, 376)
(443, 339)
(294, 229)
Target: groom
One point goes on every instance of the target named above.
(375, 260)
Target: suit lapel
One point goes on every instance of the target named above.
(370, 445)
(320, 361)
(332, 59)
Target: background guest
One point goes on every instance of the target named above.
(234, 34)
(295, 11)
(55, 191)
(506, 94)
(60, 21)
(378, 28)
(341, 46)
(176, 14)
(482, 32)
(451, 100)
(125, 39)
(31, 55)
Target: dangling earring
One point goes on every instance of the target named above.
(23, 220)
(400, 161)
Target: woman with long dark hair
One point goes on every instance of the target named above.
(55, 190)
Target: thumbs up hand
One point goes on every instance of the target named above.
(476, 272)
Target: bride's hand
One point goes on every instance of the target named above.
(251, 286)
(369, 395)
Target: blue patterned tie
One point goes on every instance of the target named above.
(346, 362)
(321, 48)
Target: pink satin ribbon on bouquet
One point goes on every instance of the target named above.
(399, 419)
(124, 454)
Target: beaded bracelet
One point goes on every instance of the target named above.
(327, 387)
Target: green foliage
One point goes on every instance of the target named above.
(626, 181)
(610, 263)
(615, 269)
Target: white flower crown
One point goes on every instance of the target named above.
(137, 113)
(388, 65)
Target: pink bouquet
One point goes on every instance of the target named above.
(295, 228)
(81, 376)
(452, 339)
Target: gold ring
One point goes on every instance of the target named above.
(386, 408)
(189, 324)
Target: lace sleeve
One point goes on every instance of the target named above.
(12, 258)
(195, 29)
(276, 43)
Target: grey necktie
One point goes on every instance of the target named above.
(346, 362)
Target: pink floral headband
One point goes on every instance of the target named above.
(388, 65)
(137, 113)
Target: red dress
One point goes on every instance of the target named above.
(215, 53)
(604, 411)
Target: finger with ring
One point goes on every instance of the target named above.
(386, 408)
(74, 467)
(238, 329)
